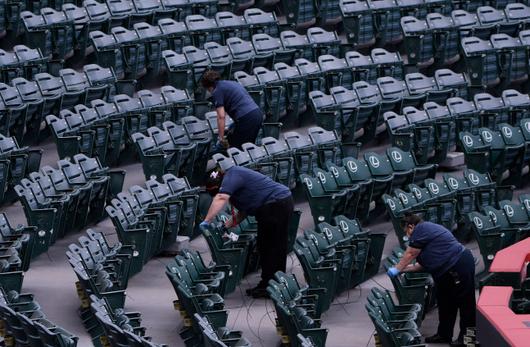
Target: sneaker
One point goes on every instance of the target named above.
(437, 339)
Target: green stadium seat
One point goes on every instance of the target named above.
(358, 22)
(481, 62)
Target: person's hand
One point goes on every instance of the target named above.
(204, 224)
(392, 272)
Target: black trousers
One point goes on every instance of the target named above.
(455, 292)
(273, 226)
(246, 129)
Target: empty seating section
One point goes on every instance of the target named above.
(354, 187)
(336, 258)
(103, 271)
(67, 198)
(104, 128)
(503, 153)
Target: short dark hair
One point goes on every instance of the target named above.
(210, 78)
(410, 218)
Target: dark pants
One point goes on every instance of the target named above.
(455, 292)
(273, 226)
(246, 129)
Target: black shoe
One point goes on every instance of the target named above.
(437, 339)
(258, 292)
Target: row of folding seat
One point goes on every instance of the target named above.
(25, 103)
(503, 153)
(434, 40)
(199, 289)
(497, 227)
(105, 128)
(446, 202)
(69, 197)
(151, 217)
(352, 255)
(215, 337)
(500, 59)
(103, 271)
(181, 148)
(412, 287)
(432, 131)
(142, 48)
(196, 282)
(298, 309)
(284, 160)
(25, 324)
(395, 324)
(22, 62)
(366, 22)
(354, 187)
(15, 163)
(361, 105)
(60, 32)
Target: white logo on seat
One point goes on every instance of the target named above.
(493, 216)
(344, 226)
(527, 125)
(334, 171)
(527, 204)
(509, 210)
(417, 192)
(507, 131)
(468, 141)
(434, 188)
(487, 135)
(374, 161)
(321, 177)
(474, 178)
(308, 183)
(403, 198)
(478, 222)
(352, 166)
(328, 233)
(453, 182)
(397, 156)
(391, 203)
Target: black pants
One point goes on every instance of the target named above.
(273, 226)
(246, 129)
(455, 292)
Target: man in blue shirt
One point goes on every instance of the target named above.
(254, 194)
(452, 267)
(231, 98)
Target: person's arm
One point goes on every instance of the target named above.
(413, 268)
(410, 254)
(221, 115)
(218, 203)
(239, 217)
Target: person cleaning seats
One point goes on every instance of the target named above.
(254, 194)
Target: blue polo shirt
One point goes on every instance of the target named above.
(249, 190)
(234, 98)
(439, 248)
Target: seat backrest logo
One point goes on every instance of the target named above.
(334, 171)
(404, 198)
(397, 156)
(434, 188)
(507, 131)
(352, 166)
(509, 210)
(417, 192)
(493, 216)
(453, 182)
(478, 222)
(473, 178)
(527, 203)
(391, 203)
(308, 183)
(527, 125)
(344, 226)
(374, 161)
(321, 177)
(328, 233)
(468, 141)
(487, 135)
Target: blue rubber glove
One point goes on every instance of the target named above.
(204, 224)
(392, 272)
